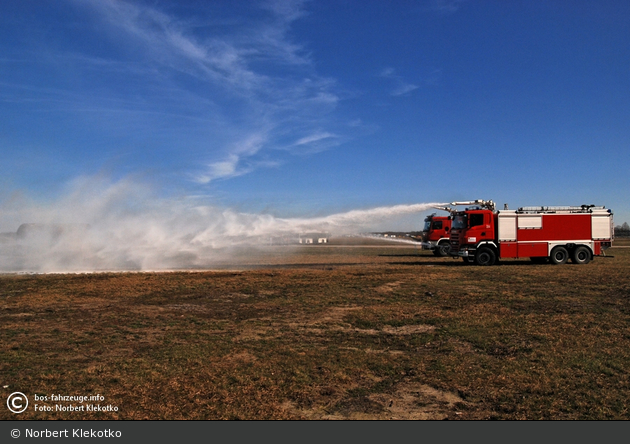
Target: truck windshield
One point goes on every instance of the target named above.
(427, 225)
(459, 222)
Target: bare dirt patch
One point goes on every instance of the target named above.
(409, 401)
(388, 287)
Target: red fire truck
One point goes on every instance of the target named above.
(435, 234)
(483, 235)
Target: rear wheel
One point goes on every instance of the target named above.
(559, 255)
(581, 255)
(485, 256)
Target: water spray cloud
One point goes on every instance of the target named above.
(122, 226)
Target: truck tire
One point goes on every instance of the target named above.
(581, 255)
(559, 255)
(485, 256)
(442, 249)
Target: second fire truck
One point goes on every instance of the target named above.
(435, 234)
(483, 235)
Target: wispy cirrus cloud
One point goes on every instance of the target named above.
(401, 87)
(237, 162)
(314, 138)
(262, 86)
(224, 59)
(446, 6)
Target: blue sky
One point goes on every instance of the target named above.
(308, 108)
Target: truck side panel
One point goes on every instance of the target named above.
(507, 249)
(602, 226)
(533, 249)
(506, 225)
(556, 227)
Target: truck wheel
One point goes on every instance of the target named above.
(581, 255)
(559, 255)
(442, 249)
(485, 256)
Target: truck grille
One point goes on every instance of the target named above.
(454, 242)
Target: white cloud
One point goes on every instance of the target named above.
(261, 81)
(401, 87)
(220, 170)
(387, 72)
(317, 137)
(168, 42)
(288, 10)
(446, 6)
(232, 165)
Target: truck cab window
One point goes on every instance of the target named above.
(476, 219)
(437, 225)
(459, 222)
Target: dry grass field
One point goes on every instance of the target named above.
(325, 332)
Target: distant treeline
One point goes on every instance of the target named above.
(622, 230)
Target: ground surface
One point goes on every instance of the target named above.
(324, 332)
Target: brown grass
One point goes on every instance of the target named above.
(326, 332)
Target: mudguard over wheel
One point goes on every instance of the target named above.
(485, 256)
(559, 255)
(581, 255)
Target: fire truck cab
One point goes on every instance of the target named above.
(435, 234)
(545, 234)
